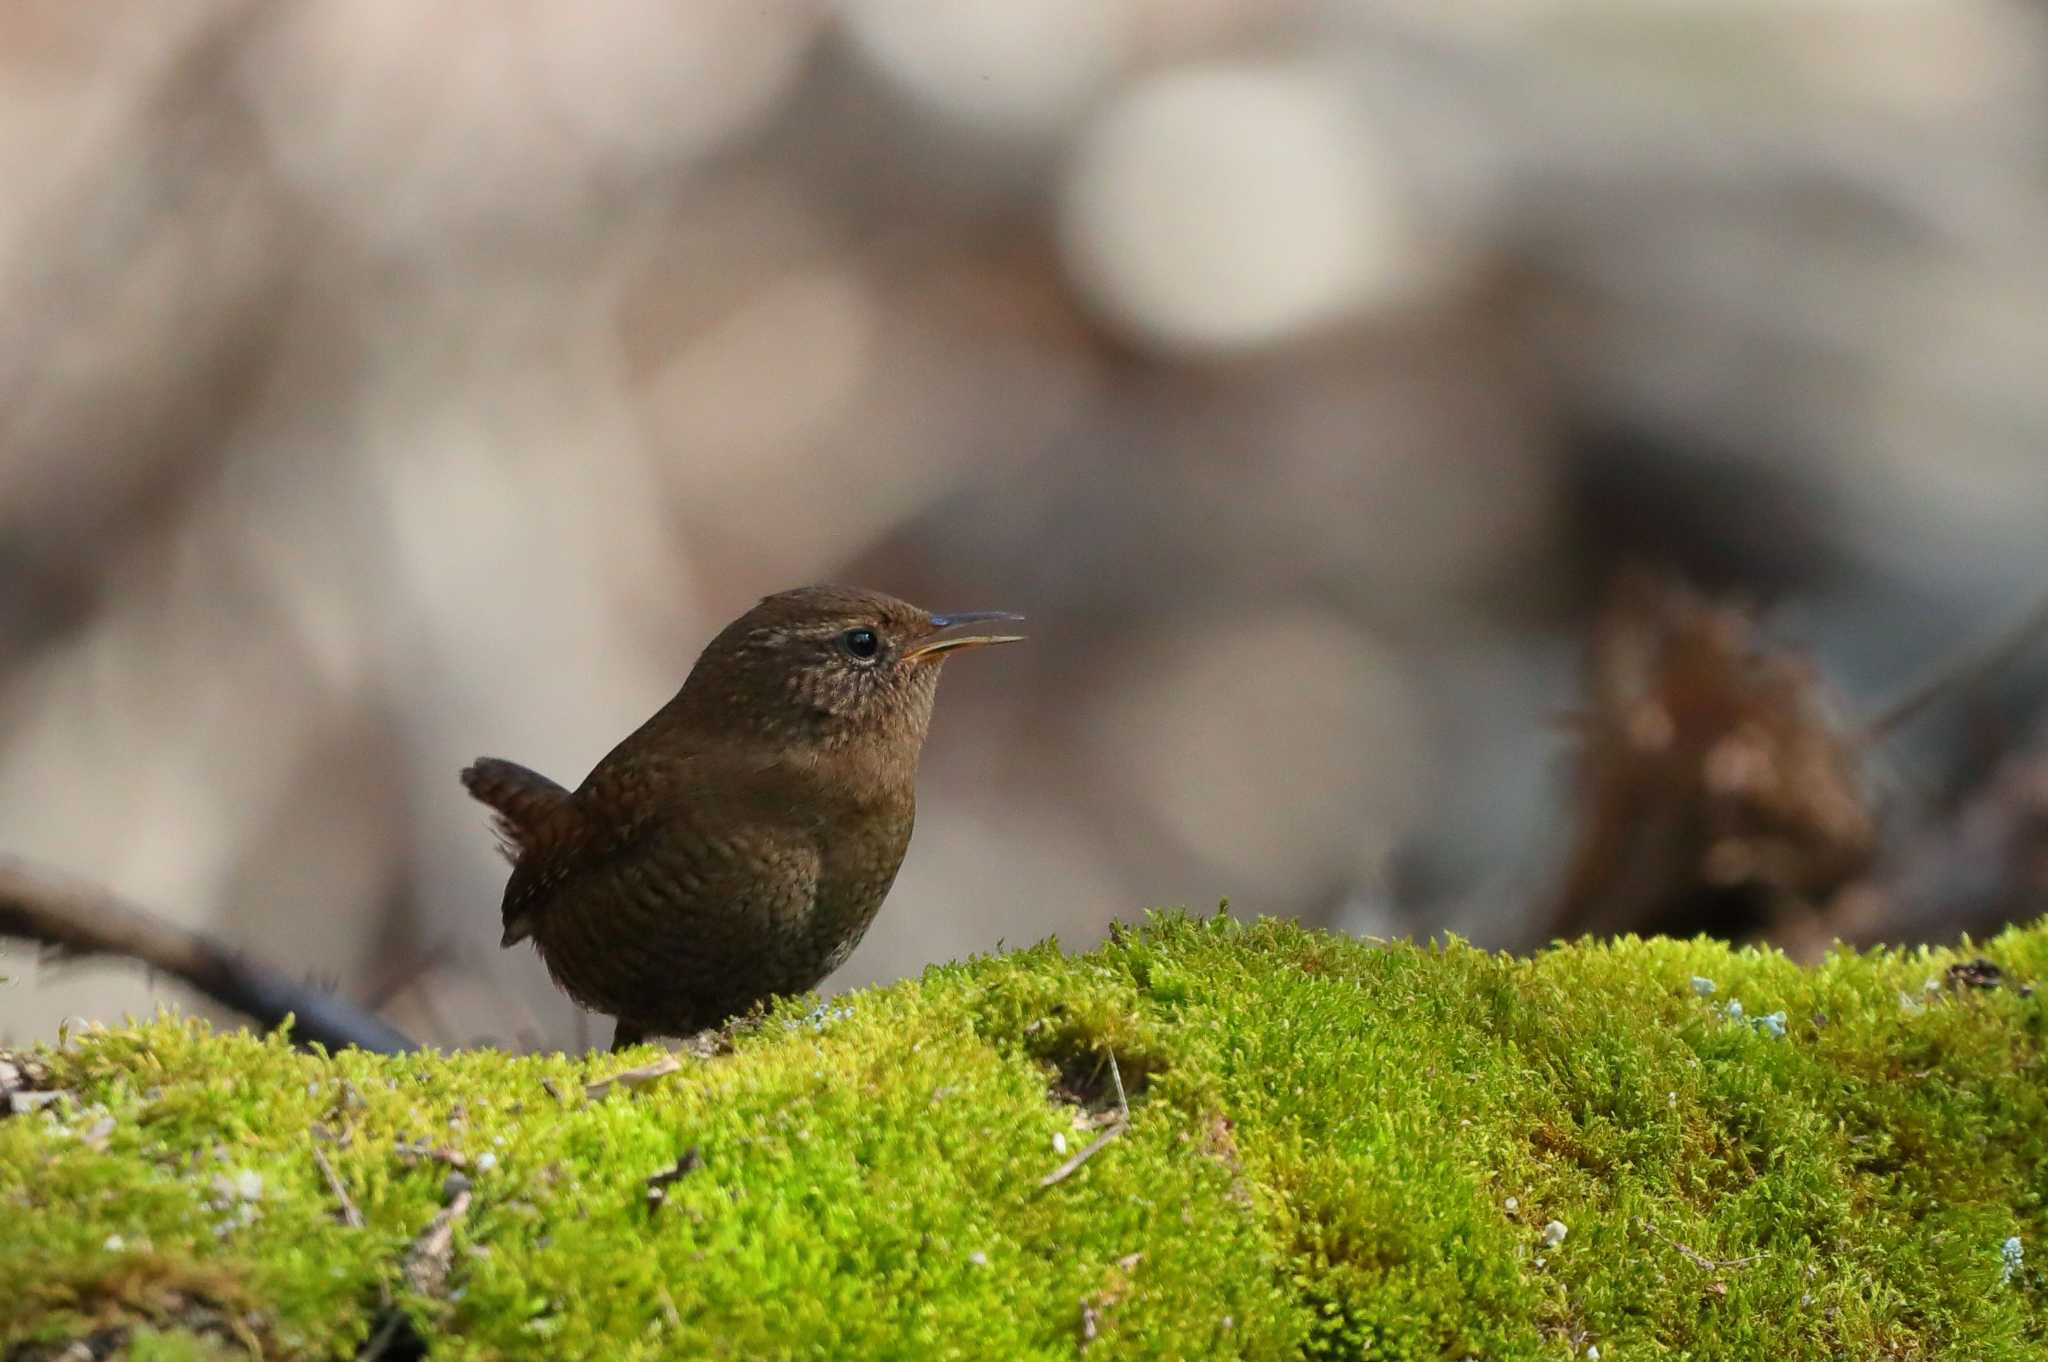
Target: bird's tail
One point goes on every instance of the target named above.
(530, 811)
(525, 801)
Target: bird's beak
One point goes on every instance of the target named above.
(938, 644)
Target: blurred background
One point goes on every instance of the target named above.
(383, 385)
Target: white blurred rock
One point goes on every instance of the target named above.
(1233, 206)
(995, 66)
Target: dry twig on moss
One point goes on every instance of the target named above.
(350, 1216)
(433, 1253)
(1119, 1123)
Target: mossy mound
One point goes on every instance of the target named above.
(1333, 1149)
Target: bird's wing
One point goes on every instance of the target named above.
(715, 821)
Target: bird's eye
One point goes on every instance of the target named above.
(861, 644)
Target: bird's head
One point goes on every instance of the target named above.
(827, 665)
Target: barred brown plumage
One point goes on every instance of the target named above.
(737, 845)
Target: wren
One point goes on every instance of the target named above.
(736, 845)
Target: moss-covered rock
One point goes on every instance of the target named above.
(1333, 1149)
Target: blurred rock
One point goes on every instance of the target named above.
(1233, 206)
(1016, 72)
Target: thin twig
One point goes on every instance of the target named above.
(1695, 1257)
(1067, 1169)
(73, 920)
(1118, 1124)
(633, 1078)
(659, 1183)
(1960, 672)
(350, 1216)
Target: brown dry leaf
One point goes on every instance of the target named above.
(1714, 791)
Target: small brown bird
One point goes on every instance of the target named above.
(738, 844)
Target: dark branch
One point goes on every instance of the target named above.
(71, 921)
(1961, 672)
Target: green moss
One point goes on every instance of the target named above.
(1334, 1149)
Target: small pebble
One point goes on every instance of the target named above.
(1702, 986)
(978, 1258)
(1734, 1010)
(1592, 1352)
(1512, 1204)
(2014, 1255)
(114, 1243)
(1554, 1233)
(1772, 1025)
(249, 1185)
(486, 1161)
(453, 1186)
(1059, 1143)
